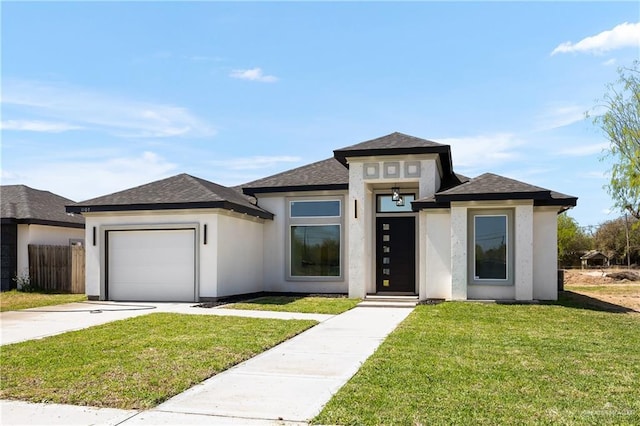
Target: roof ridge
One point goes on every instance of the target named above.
(513, 180)
(286, 171)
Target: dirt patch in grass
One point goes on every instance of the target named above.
(596, 285)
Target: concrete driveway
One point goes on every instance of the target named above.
(288, 384)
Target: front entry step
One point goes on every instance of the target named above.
(389, 301)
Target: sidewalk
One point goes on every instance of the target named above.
(288, 384)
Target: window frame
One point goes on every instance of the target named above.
(508, 214)
(292, 221)
(394, 212)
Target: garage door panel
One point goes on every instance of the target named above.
(152, 265)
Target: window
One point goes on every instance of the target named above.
(385, 204)
(314, 241)
(315, 208)
(315, 251)
(491, 247)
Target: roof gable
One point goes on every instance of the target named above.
(397, 143)
(176, 192)
(327, 174)
(22, 204)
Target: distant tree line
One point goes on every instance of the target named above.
(609, 238)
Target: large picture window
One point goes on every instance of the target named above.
(314, 238)
(315, 251)
(491, 247)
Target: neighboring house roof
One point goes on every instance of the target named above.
(182, 191)
(594, 254)
(322, 175)
(24, 205)
(489, 186)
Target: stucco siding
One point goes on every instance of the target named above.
(524, 252)
(436, 226)
(459, 260)
(359, 234)
(240, 256)
(275, 255)
(545, 254)
(42, 235)
(491, 292)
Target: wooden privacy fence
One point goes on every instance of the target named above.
(57, 268)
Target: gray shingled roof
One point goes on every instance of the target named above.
(177, 192)
(490, 183)
(22, 204)
(322, 175)
(490, 186)
(395, 140)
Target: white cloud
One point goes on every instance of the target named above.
(485, 150)
(37, 126)
(623, 35)
(256, 162)
(560, 116)
(599, 174)
(101, 111)
(609, 62)
(254, 74)
(582, 150)
(83, 179)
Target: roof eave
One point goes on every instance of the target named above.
(227, 205)
(564, 204)
(28, 221)
(500, 196)
(342, 154)
(295, 188)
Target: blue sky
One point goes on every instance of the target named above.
(100, 97)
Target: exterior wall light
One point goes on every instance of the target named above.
(395, 191)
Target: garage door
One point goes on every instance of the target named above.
(151, 265)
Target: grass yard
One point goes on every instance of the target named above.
(468, 363)
(15, 300)
(303, 304)
(135, 363)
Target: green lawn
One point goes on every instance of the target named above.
(14, 300)
(467, 363)
(135, 363)
(308, 304)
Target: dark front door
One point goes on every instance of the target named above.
(396, 254)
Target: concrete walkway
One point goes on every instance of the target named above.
(288, 384)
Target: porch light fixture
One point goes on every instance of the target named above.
(395, 194)
(400, 201)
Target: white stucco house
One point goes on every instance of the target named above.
(385, 216)
(32, 216)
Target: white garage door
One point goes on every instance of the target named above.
(151, 265)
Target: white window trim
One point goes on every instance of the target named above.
(314, 221)
(509, 215)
